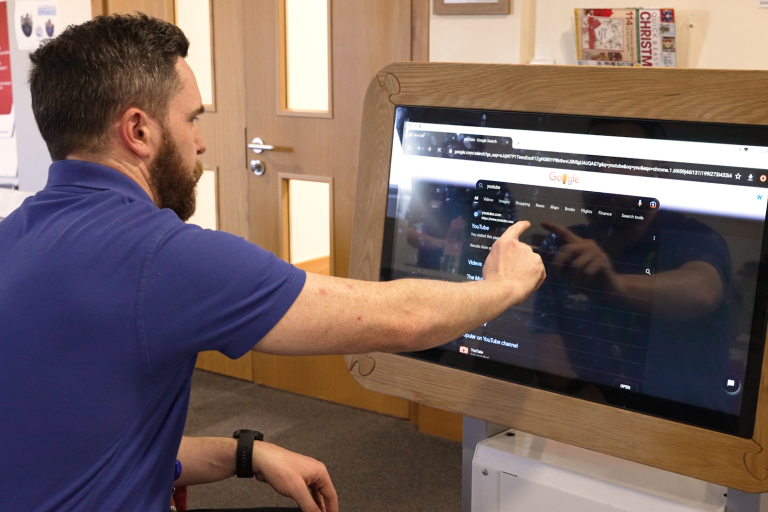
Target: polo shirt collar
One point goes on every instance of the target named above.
(78, 173)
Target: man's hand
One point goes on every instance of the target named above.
(581, 258)
(303, 479)
(514, 264)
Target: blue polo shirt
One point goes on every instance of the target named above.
(105, 302)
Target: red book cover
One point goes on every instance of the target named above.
(6, 91)
(607, 35)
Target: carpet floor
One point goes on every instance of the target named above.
(377, 463)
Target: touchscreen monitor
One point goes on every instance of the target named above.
(652, 235)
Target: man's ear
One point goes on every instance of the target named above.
(139, 133)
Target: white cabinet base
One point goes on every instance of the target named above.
(525, 473)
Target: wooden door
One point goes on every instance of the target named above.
(365, 36)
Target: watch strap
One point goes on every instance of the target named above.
(244, 459)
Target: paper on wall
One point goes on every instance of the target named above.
(36, 21)
(9, 160)
(9, 163)
(6, 87)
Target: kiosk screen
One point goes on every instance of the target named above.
(652, 234)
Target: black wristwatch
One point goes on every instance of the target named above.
(245, 439)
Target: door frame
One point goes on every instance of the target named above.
(420, 30)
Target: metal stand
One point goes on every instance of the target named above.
(518, 472)
(475, 431)
(739, 501)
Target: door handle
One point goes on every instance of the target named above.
(257, 146)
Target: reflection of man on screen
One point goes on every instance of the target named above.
(437, 225)
(679, 313)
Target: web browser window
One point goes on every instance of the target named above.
(652, 234)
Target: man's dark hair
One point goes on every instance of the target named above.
(93, 72)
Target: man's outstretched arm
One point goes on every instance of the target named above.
(345, 316)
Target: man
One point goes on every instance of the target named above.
(107, 295)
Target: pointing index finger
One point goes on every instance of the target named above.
(516, 229)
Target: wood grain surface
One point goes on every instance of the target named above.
(320, 265)
(735, 97)
(437, 422)
(420, 30)
(98, 8)
(324, 377)
(163, 9)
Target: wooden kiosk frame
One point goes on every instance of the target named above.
(735, 97)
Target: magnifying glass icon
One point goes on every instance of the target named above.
(648, 271)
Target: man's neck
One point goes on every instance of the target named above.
(138, 172)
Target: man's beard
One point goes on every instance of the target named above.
(174, 185)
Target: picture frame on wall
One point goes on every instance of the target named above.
(441, 7)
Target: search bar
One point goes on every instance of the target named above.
(634, 268)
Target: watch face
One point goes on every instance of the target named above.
(257, 436)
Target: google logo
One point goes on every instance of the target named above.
(567, 179)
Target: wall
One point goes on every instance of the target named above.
(481, 39)
(730, 35)
(33, 154)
